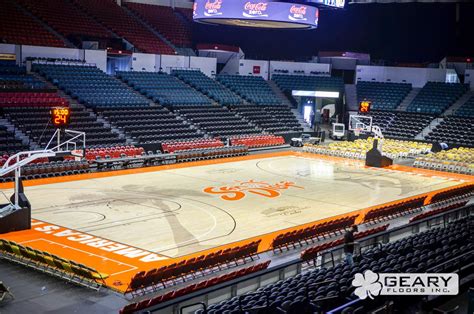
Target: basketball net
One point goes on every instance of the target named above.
(357, 131)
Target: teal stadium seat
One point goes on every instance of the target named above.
(90, 86)
(384, 96)
(436, 97)
(162, 88)
(208, 86)
(253, 89)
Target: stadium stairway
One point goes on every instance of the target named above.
(351, 97)
(280, 93)
(430, 127)
(19, 135)
(46, 26)
(408, 99)
(121, 134)
(461, 101)
(149, 27)
(306, 127)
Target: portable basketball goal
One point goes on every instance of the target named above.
(363, 125)
(71, 143)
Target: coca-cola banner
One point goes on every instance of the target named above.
(256, 13)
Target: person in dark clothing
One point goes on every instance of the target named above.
(349, 245)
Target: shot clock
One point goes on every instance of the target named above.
(60, 116)
(364, 106)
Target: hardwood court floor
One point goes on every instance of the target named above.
(182, 211)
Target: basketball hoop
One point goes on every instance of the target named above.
(357, 131)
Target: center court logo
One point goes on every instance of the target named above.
(372, 284)
(240, 189)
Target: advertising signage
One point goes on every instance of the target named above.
(268, 14)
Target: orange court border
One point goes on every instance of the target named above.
(121, 262)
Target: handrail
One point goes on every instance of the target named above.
(449, 261)
(194, 304)
(267, 299)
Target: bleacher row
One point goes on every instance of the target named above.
(162, 276)
(52, 264)
(133, 307)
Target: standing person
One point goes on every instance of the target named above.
(349, 245)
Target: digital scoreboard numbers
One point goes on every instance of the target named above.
(364, 106)
(60, 116)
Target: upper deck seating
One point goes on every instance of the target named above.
(125, 25)
(165, 21)
(19, 28)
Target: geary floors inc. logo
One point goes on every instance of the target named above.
(372, 284)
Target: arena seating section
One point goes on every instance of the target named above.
(166, 275)
(454, 130)
(16, 27)
(165, 21)
(400, 125)
(210, 153)
(132, 308)
(151, 124)
(216, 121)
(459, 160)
(90, 85)
(9, 144)
(123, 24)
(320, 290)
(66, 19)
(171, 147)
(211, 88)
(273, 119)
(253, 141)
(436, 97)
(163, 88)
(13, 77)
(384, 96)
(253, 89)
(467, 109)
(33, 121)
(52, 264)
(31, 99)
(113, 152)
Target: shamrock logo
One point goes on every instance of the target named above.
(367, 285)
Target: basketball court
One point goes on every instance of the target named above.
(137, 219)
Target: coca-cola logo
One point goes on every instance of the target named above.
(254, 9)
(297, 13)
(260, 6)
(213, 8)
(216, 5)
(298, 9)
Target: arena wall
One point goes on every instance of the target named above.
(416, 76)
